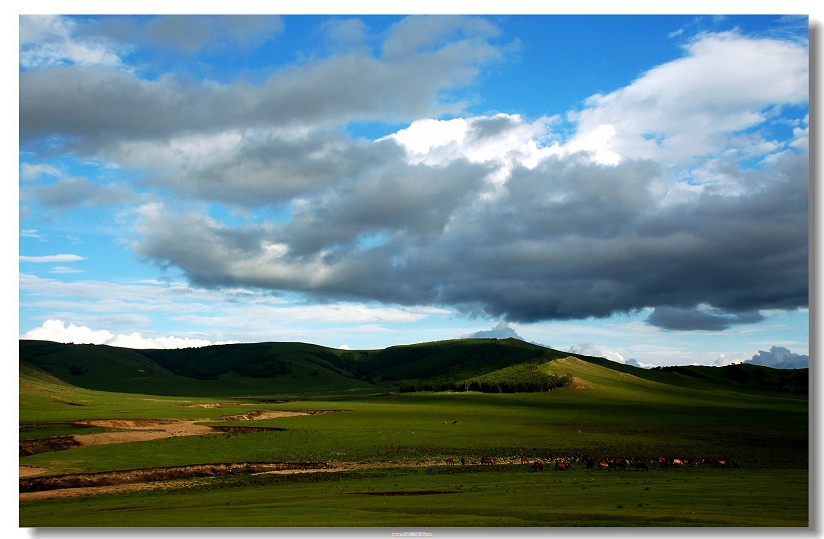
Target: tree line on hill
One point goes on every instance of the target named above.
(523, 378)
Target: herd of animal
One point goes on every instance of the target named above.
(614, 463)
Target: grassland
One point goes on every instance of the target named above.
(450, 496)
(390, 448)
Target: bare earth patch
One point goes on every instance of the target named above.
(140, 430)
(578, 383)
(212, 405)
(153, 429)
(28, 471)
(89, 491)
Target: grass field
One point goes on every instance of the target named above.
(614, 414)
(452, 496)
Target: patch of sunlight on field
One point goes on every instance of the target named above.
(613, 383)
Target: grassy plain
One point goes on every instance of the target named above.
(451, 496)
(605, 413)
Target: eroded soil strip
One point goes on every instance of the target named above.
(45, 445)
(142, 475)
(73, 485)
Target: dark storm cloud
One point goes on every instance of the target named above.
(780, 358)
(676, 318)
(84, 106)
(204, 248)
(269, 169)
(569, 239)
(412, 203)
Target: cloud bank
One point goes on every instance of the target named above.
(674, 192)
(779, 357)
(502, 330)
(58, 331)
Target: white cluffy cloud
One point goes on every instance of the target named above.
(501, 331)
(58, 331)
(780, 357)
(503, 140)
(725, 84)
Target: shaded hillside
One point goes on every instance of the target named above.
(742, 375)
(259, 360)
(253, 369)
(303, 369)
(275, 367)
(455, 359)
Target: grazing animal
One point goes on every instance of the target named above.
(450, 461)
(562, 465)
(487, 460)
(662, 461)
(639, 466)
(618, 464)
(590, 463)
(603, 465)
(538, 466)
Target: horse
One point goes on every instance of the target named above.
(603, 465)
(641, 466)
(538, 466)
(487, 460)
(618, 464)
(450, 461)
(562, 465)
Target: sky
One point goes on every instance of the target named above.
(628, 186)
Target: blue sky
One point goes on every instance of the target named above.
(633, 187)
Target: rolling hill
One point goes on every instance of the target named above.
(289, 368)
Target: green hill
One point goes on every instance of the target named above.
(229, 370)
(299, 369)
